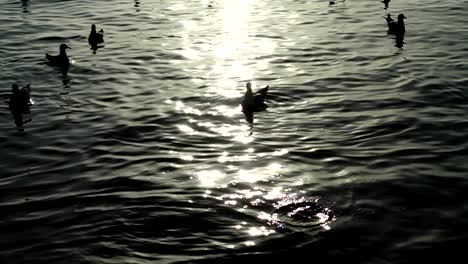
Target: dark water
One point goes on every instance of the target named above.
(142, 155)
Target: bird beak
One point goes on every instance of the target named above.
(68, 47)
(404, 17)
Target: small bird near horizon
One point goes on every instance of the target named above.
(95, 38)
(254, 102)
(60, 60)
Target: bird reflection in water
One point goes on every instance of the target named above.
(399, 40)
(253, 102)
(386, 2)
(65, 84)
(25, 4)
(137, 5)
(19, 104)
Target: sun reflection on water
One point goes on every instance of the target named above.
(226, 59)
(259, 231)
(225, 53)
(259, 174)
(209, 178)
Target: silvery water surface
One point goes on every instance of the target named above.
(141, 154)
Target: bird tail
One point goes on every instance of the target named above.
(264, 91)
(388, 18)
(27, 87)
(100, 36)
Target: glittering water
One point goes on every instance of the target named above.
(141, 154)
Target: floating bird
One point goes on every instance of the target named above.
(95, 38)
(398, 27)
(254, 102)
(20, 98)
(60, 60)
(25, 94)
(19, 104)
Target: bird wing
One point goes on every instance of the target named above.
(388, 18)
(392, 25)
(24, 94)
(100, 36)
(27, 88)
(263, 92)
(51, 58)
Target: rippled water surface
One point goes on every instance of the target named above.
(141, 154)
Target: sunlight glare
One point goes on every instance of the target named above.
(186, 157)
(272, 219)
(249, 193)
(274, 167)
(233, 47)
(259, 231)
(280, 152)
(252, 176)
(226, 110)
(275, 193)
(249, 243)
(209, 178)
(244, 139)
(186, 129)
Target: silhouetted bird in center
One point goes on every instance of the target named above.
(398, 27)
(254, 102)
(60, 60)
(95, 38)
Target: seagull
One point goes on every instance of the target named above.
(398, 27)
(254, 102)
(60, 60)
(19, 104)
(95, 38)
(20, 98)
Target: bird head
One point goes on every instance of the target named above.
(63, 47)
(15, 88)
(401, 17)
(249, 86)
